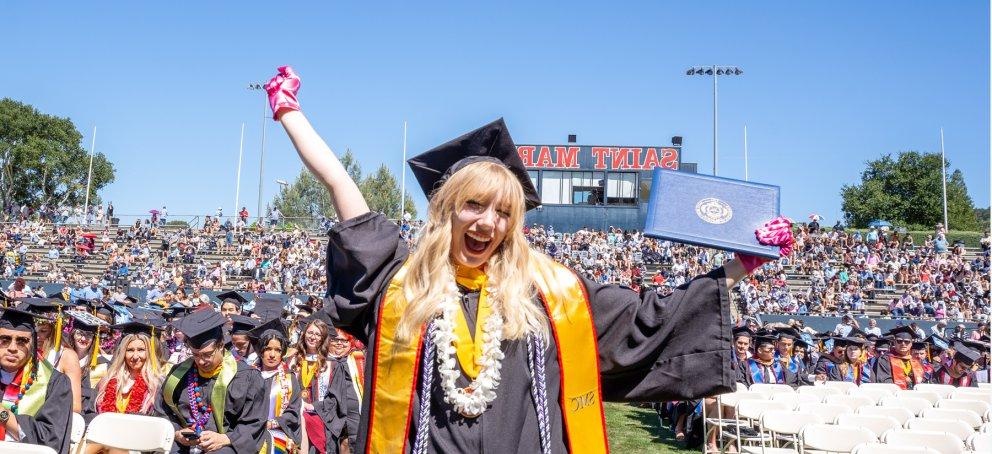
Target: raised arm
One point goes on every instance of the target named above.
(316, 155)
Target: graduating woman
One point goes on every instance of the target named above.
(79, 335)
(434, 386)
(854, 368)
(50, 346)
(282, 388)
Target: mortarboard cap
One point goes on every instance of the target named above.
(232, 297)
(854, 342)
(800, 343)
(761, 339)
(965, 354)
(241, 324)
(883, 343)
(85, 321)
(937, 343)
(742, 331)
(200, 327)
(902, 332)
(491, 142)
(274, 327)
(839, 341)
(787, 333)
(268, 308)
(135, 327)
(40, 306)
(857, 332)
(17, 320)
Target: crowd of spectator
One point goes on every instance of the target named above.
(833, 271)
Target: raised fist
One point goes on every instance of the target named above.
(282, 91)
(777, 232)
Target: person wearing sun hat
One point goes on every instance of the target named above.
(567, 343)
(899, 366)
(214, 401)
(37, 400)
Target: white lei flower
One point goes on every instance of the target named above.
(471, 401)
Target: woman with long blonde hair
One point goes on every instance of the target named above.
(477, 343)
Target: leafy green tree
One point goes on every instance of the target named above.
(304, 200)
(382, 193)
(906, 190)
(42, 160)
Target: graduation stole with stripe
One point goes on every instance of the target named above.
(758, 371)
(35, 396)
(395, 366)
(905, 370)
(218, 395)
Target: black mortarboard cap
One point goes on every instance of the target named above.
(305, 308)
(491, 142)
(977, 345)
(800, 343)
(857, 332)
(742, 331)
(839, 341)
(17, 320)
(854, 341)
(241, 324)
(39, 306)
(273, 326)
(232, 295)
(787, 333)
(902, 332)
(883, 342)
(135, 327)
(268, 308)
(760, 340)
(200, 327)
(965, 354)
(84, 321)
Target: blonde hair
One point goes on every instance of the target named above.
(510, 270)
(119, 371)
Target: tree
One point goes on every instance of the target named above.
(383, 194)
(906, 190)
(42, 160)
(305, 199)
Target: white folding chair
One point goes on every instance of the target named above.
(913, 404)
(900, 414)
(843, 386)
(143, 433)
(984, 385)
(944, 391)
(76, 432)
(855, 402)
(751, 411)
(882, 448)
(980, 442)
(890, 387)
(794, 399)
(943, 442)
(875, 394)
(771, 388)
(986, 428)
(984, 395)
(827, 437)
(961, 415)
(729, 400)
(978, 407)
(13, 447)
(929, 396)
(828, 411)
(782, 425)
(819, 391)
(960, 429)
(877, 424)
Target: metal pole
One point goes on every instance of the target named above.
(943, 177)
(261, 158)
(89, 178)
(714, 123)
(403, 175)
(745, 154)
(237, 184)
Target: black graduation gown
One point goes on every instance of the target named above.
(938, 377)
(744, 375)
(650, 348)
(289, 421)
(245, 410)
(51, 425)
(881, 371)
(835, 374)
(824, 364)
(338, 408)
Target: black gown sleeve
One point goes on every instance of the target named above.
(654, 348)
(363, 253)
(289, 420)
(882, 371)
(51, 425)
(245, 411)
(333, 408)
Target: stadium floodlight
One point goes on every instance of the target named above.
(715, 71)
(255, 86)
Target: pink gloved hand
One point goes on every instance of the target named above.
(282, 91)
(777, 232)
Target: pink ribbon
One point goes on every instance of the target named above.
(777, 232)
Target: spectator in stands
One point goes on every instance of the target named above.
(939, 328)
(873, 327)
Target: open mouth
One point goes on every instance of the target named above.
(476, 244)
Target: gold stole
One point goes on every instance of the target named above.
(35, 397)
(394, 372)
(218, 394)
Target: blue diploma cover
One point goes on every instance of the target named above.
(711, 211)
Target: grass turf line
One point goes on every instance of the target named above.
(636, 430)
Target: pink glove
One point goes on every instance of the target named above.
(777, 232)
(282, 91)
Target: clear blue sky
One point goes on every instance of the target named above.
(827, 85)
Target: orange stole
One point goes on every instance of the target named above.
(395, 372)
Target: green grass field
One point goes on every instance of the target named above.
(635, 430)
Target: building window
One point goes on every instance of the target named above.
(621, 189)
(533, 178)
(571, 188)
(587, 188)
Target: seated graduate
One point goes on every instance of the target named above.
(80, 335)
(37, 399)
(214, 401)
(282, 388)
(855, 367)
(785, 353)
(241, 345)
(828, 361)
(762, 367)
(898, 366)
(961, 371)
(231, 304)
(49, 321)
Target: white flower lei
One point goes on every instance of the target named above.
(471, 401)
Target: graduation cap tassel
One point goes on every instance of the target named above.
(96, 349)
(153, 354)
(58, 329)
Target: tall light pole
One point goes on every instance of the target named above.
(943, 177)
(715, 71)
(261, 158)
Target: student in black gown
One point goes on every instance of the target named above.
(961, 371)
(785, 353)
(854, 368)
(232, 424)
(828, 361)
(649, 348)
(282, 387)
(40, 409)
(763, 368)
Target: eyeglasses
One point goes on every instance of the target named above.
(21, 341)
(338, 340)
(903, 341)
(205, 355)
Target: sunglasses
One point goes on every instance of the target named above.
(21, 341)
